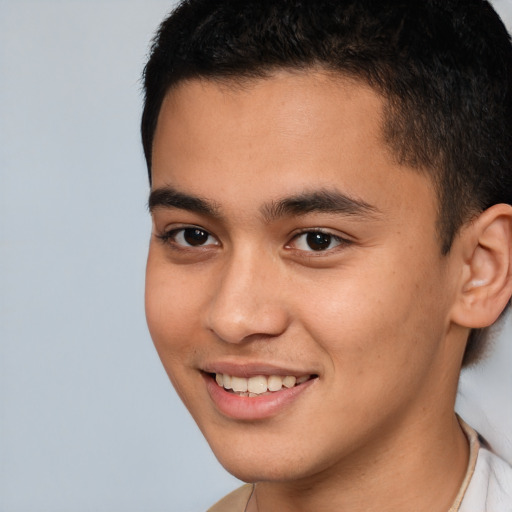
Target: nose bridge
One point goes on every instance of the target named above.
(246, 300)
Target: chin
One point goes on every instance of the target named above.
(251, 461)
(259, 471)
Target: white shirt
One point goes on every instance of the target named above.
(487, 486)
(490, 488)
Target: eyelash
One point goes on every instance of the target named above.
(170, 236)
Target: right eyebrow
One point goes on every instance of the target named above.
(168, 197)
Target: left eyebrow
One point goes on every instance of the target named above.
(321, 201)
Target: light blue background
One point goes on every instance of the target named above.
(88, 419)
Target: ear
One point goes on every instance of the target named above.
(486, 278)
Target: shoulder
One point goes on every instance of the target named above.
(490, 489)
(235, 501)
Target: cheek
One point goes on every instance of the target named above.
(171, 306)
(169, 310)
(369, 323)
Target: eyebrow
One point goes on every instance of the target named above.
(321, 201)
(168, 197)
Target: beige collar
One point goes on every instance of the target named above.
(474, 446)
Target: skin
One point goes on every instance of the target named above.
(372, 316)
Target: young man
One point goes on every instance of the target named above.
(330, 190)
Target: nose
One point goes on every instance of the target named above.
(247, 303)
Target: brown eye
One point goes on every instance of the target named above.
(195, 237)
(318, 241)
(189, 237)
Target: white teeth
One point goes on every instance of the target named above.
(259, 384)
(289, 381)
(275, 383)
(227, 381)
(239, 384)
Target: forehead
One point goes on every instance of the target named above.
(288, 106)
(285, 134)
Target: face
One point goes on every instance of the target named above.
(296, 291)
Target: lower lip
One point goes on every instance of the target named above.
(253, 408)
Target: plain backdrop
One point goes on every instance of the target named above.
(88, 419)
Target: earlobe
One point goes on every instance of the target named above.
(487, 275)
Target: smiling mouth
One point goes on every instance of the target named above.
(258, 385)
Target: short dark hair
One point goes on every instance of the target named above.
(444, 68)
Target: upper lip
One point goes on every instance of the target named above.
(251, 369)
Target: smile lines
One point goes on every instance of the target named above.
(258, 385)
